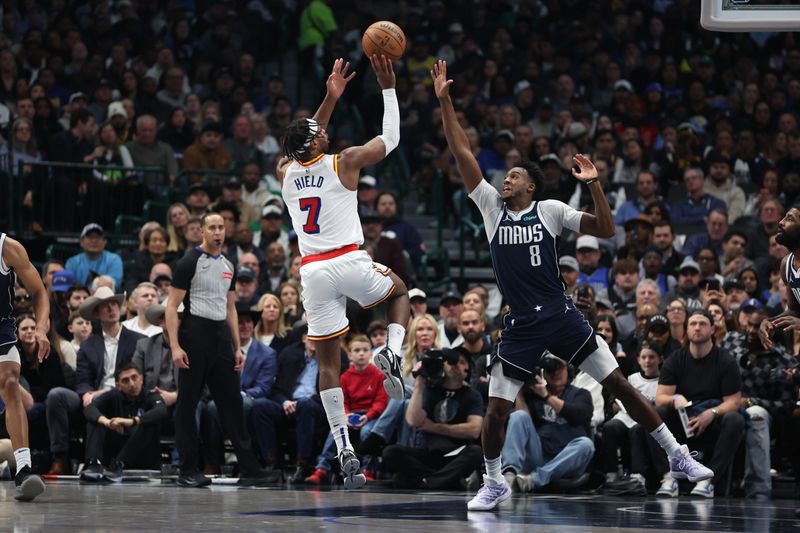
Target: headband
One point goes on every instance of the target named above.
(313, 131)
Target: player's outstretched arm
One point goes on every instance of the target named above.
(456, 138)
(353, 159)
(601, 223)
(335, 86)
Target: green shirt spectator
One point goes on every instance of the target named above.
(316, 24)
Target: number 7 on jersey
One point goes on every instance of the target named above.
(311, 205)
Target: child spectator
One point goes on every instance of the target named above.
(79, 327)
(622, 426)
(364, 401)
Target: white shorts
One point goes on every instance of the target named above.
(501, 386)
(328, 283)
(10, 356)
(601, 362)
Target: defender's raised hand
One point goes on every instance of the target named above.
(441, 85)
(383, 70)
(586, 170)
(339, 78)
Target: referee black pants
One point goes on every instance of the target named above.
(209, 347)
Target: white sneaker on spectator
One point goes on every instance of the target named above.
(611, 477)
(489, 496)
(511, 479)
(668, 488)
(640, 478)
(525, 482)
(703, 488)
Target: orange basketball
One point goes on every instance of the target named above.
(384, 37)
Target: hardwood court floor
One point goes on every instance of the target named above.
(153, 506)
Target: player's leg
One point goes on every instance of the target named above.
(502, 393)
(371, 284)
(602, 366)
(28, 485)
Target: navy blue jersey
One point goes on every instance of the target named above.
(524, 251)
(8, 325)
(793, 278)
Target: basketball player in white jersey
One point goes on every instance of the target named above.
(14, 262)
(319, 190)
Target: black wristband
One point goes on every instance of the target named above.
(589, 182)
(546, 398)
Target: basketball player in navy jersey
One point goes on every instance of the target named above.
(523, 236)
(789, 236)
(14, 262)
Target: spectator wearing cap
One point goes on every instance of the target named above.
(396, 228)
(450, 307)
(257, 379)
(146, 150)
(161, 276)
(735, 293)
(77, 100)
(59, 304)
(367, 192)
(419, 302)
(143, 296)
(241, 146)
(646, 192)
(95, 260)
(198, 201)
(588, 255)
(688, 287)
(658, 331)
(452, 48)
(638, 235)
(207, 152)
(246, 288)
(547, 438)
(695, 208)
(119, 120)
(103, 95)
(232, 195)
(570, 270)
(652, 268)
(387, 251)
(716, 222)
(720, 183)
(708, 377)
(272, 229)
(554, 186)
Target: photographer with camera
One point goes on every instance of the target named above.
(548, 434)
(449, 413)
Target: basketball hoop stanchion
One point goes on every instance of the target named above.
(749, 15)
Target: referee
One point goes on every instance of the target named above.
(205, 347)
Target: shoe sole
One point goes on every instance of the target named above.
(660, 494)
(393, 386)
(194, 485)
(91, 477)
(682, 475)
(352, 478)
(497, 502)
(29, 489)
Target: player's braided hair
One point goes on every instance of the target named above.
(298, 136)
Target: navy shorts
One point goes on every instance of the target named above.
(566, 335)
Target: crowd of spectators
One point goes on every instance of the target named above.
(694, 134)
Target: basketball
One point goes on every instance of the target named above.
(384, 37)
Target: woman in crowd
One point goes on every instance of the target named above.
(177, 218)
(607, 328)
(271, 329)
(708, 261)
(21, 148)
(112, 154)
(422, 336)
(717, 310)
(677, 315)
(156, 243)
(749, 279)
(290, 299)
(178, 131)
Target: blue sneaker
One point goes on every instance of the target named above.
(704, 489)
(489, 496)
(686, 466)
(668, 488)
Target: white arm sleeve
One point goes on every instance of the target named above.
(391, 120)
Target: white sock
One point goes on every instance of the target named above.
(666, 440)
(493, 469)
(333, 402)
(23, 458)
(395, 334)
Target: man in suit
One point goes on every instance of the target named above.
(154, 359)
(258, 376)
(105, 351)
(294, 399)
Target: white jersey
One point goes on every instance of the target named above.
(324, 212)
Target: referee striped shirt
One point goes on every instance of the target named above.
(207, 279)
